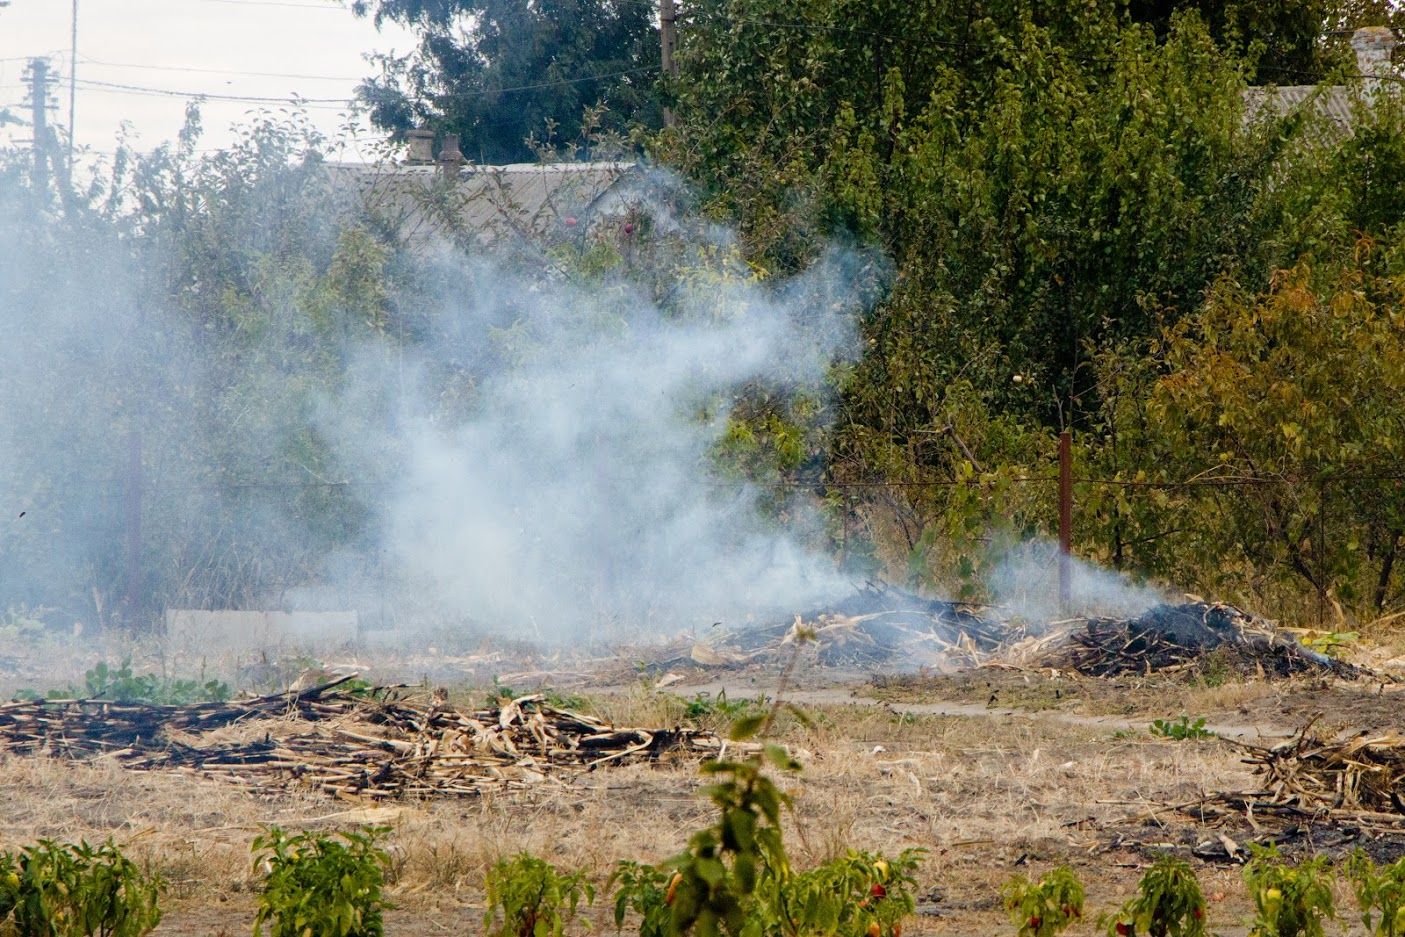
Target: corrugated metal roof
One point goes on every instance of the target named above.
(487, 203)
(1334, 102)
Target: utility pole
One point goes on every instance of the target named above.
(668, 44)
(72, 83)
(39, 119)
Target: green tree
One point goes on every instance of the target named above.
(501, 73)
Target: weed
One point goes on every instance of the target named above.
(20, 623)
(320, 884)
(63, 890)
(648, 891)
(528, 897)
(501, 692)
(1046, 907)
(1290, 901)
(1168, 903)
(1181, 729)
(1331, 643)
(121, 685)
(1379, 890)
(705, 706)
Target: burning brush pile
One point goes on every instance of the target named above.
(347, 745)
(881, 627)
(1172, 638)
(878, 626)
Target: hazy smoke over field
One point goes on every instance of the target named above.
(521, 448)
(575, 492)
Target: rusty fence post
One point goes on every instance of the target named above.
(1065, 519)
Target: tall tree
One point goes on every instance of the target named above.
(501, 73)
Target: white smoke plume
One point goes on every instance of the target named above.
(576, 497)
(1025, 584)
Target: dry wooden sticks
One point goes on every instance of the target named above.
(352, 746)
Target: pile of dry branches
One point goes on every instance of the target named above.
(1357, 779)
(1171, 638)
(879, 625)
(374, 746)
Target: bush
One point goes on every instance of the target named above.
(735, 877)
(1289, 901)
(1181, 729)
(1379, 890)
(1046, 907)
(1168, 904)
(320, 885)
(64, 890)
(528, 897)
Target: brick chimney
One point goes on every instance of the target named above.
(421, 140)
(1373, 46)
(450, 159)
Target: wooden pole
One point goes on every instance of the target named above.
(1065, 518)
(72, 84)
(38, 116)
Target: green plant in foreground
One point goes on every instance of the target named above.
(1181, 729)
(1046, 907)
(321, 885)
(735, 877)
(1379, 890)
(1289, 901)
(528, 897)
(64, 890)
(1168, 904)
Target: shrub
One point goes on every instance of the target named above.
(1046, 907)
(63, 890)
(528, 897)
(1168, 904)
(735, 877)
(320, 885)
(1289, 901)
(1181, 729)
(1379, 890)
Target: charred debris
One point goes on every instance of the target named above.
(881, 627)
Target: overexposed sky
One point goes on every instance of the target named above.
(161, 51)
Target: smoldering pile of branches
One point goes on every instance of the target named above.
(1186, 637)
(377, 746)
(879, 625)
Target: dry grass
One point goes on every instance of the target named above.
(985, 795)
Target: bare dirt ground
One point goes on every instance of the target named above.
(993, 772)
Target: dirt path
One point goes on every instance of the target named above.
(841, 696)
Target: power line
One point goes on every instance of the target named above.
(221, 71)
(280, 3)
(89, 84)
(214, 96)
(120, 87)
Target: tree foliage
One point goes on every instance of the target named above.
(501, 73)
